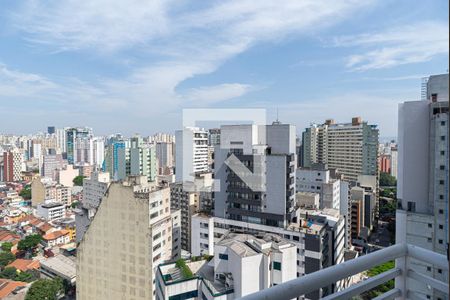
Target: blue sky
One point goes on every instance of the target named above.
(132, 66)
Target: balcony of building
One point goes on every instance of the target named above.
(404, 276)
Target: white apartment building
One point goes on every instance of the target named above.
(51, 211)
(317, 179)
(243, 264)
(98, 152)
(422, 186)
(191, 153)
(319, 236)
(131, 234)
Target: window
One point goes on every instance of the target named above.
(442, 137)
(441, 226)
(223, 256)
(440, 271)
(429, 240)
(441, 197)
(296, 238)
(441, 211)
(429, 269)
(442, 123)
(441, 241)
(442, 167)
(442, 152)
(188, 295)
(277, 265)
(429, 225)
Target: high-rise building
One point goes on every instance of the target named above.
(77, 144)
(111, 160)
(422, 183)
(187, 201)
(51, 129)
(98, 152)
(52, 163)
(394, 161)
(384, 163)
(129, 236)
(61, 145)
(255, 169)
(138, 159)
(12, 165)
(352, 148)
(191, 153)
(165, 157)
(190, 198)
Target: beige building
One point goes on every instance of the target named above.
(66, 176)
(44, 190)
(132, 233)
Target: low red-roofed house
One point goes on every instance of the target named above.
(8, 286)
(58, 237)
(25, 264)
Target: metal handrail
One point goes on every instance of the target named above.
(316, 280)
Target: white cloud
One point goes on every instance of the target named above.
(16, 83)
(100, 24)
(175, 40)
(415, 43)
(213, 94)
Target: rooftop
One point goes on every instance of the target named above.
(246, 245)
(52, 205)
(61, 265)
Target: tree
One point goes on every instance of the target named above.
(382, 288)
(26, 192)
(75, 204)
(45, 289)
(78, 180)
(6, 246)
(9, 273)
(29, 242)
(6, 258)
(387, 179)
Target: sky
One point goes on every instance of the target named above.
(133, 66)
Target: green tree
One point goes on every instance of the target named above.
(45, 289)
(78, 180)
(382, 288)
(75, 204)
(26, 192)
(30, 242)
(6, 258)
(9, 273)
(6, 246)
(387, 179)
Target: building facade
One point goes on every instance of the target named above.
(130, 235)
(191, 153)
(422, 184)
(254, 167)
(352, 148)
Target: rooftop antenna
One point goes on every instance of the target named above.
(277, 122)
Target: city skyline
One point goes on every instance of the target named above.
(64, 64)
